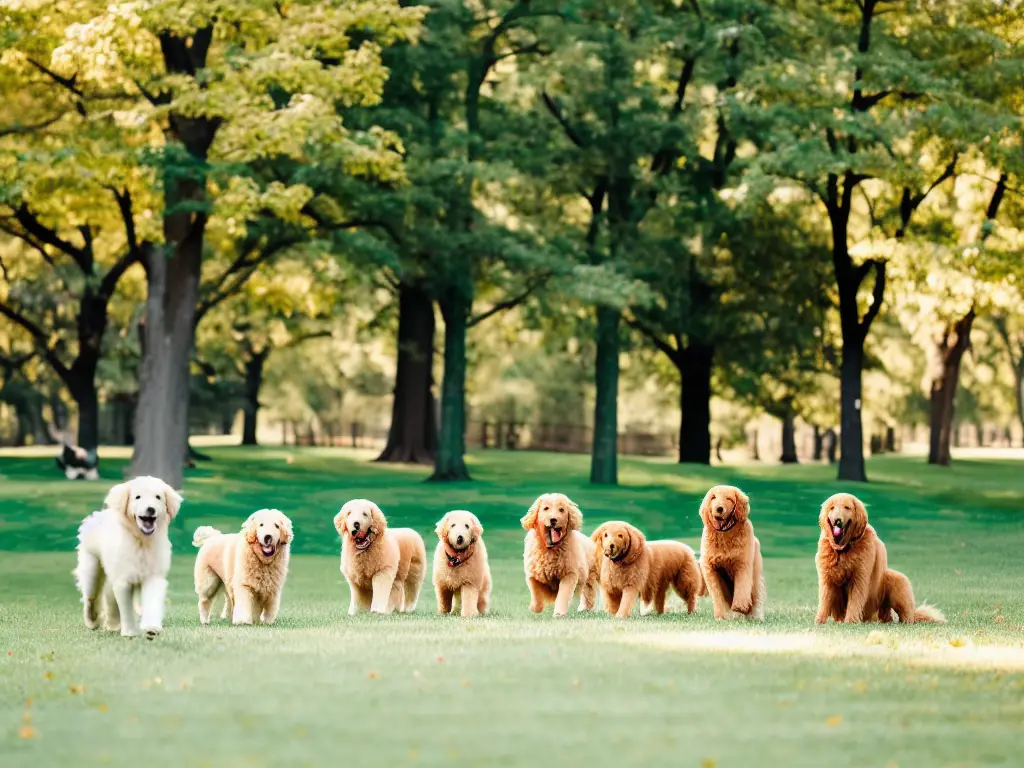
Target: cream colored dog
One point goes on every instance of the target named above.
(124, 549)
(558, 559)
(251, 565)
(384, 567)
(462, 576)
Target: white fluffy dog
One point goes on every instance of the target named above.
(251, 565)
(124, 549)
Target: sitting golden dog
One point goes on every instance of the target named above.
(462, 576)
(634, 567)
(559, 561)
(855, 583)
(384, 567)
(251, 566)
(730, 555)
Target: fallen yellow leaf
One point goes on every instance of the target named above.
(48, 675)
(103, 707)
(28, 732)
(373, 675)
(76, 688)
(957, 642)
(708, 762)
(465, 683)
(833, 721)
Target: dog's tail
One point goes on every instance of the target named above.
(929, 613)
(702, 588)
(203, 532)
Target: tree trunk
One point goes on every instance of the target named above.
(1018, 377)
(449, 459)
(789, 440)
(412, 438)
(755, 452)
(605, 448)
(831, 445)
(161, 425)
(251, 402)
(819, 443)
(949, 353)
(695, 363)
(87, 400)
(851, 437)
(718, 450)
(889, 442)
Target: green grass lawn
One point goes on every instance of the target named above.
(513, 688)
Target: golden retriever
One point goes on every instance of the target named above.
(124, 549)
(558, 559)
(384, 567)
(634, 567)
(251, 565)
(462, 575)
(855, 583)
(730, 555)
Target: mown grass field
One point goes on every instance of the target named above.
(513, 689)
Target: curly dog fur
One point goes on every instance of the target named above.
(730, 555)
(633, 567)
(251, 565)
(558, 559)
(384, 567)
(855, 583)
(462, 575)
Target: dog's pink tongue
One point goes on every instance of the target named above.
(556, 535)
(837, 531)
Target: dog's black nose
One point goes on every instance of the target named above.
(719, 509)
(266, 539)
(460, 539)
(553, 521)
(150, 511)
(355, 526)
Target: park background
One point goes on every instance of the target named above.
(624, 250)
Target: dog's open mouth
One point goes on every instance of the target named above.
(268, 550)
(147, 524)
(554, 534)
(725, 525)
(362, 540)
(837, 533)
(616, 554)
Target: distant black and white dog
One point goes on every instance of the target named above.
(79, 464)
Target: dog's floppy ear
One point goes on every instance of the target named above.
(742, 508)
(826, 507)
(287, 533)
(441, 525)
(475, 526)
(859, 521)
(705, 505)
(172, 501)
(249, 528)
(118, 498)
(339, 520)
(598, 533)
(575, 516)
(529, 521)
(378, 523)
(637, 543)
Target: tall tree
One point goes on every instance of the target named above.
(211, 89)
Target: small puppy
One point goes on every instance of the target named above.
(251, 565)
(730, 555)
(634, 567)
(384, 567)
(558, 559)
(124, 549)
(462, 576)
(855, 583)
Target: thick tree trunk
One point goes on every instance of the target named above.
(161, 425)
(87, 400)
(449, 460)
(251, 403)
(604, 457)
(831, 445)
(851, 437)
(695, 363)
(789, 440)
(819, 444)
(949, 353)
(412, 438)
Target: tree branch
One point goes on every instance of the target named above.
(511, 302)
(877, 292)
(556, 112)
(910, 203)
(43, 234)
(39, 337)
(19, 128)
(655, 338)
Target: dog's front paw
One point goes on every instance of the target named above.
(536, 607)
(91, 615)
(129, 633)
(852, 620)
(152, 630)
(820, 619)
(560, 612)
(742, 606)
